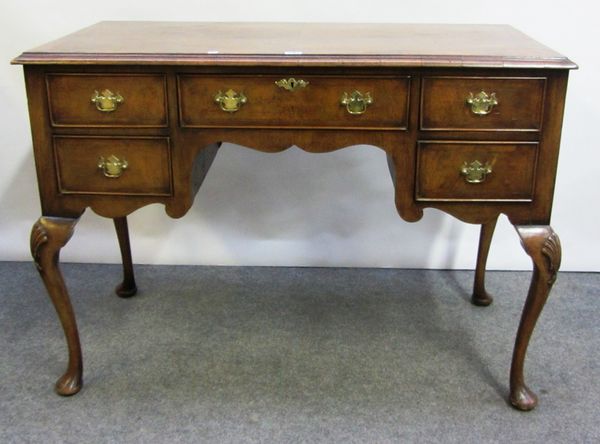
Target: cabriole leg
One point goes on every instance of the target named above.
(48, 236)
(127, 288)
(480, 296)
(543, 245)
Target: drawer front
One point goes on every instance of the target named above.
(476, 171)
(99, 100)
(113, 165)
(314, 105)
(482, 103)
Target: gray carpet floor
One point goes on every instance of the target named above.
(278, 355)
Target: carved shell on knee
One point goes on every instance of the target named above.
(552, 251)
(39, 236)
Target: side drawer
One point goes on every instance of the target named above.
(107, 100)
(516, 104)
(316, 104)
(476, 171)
(140, 166)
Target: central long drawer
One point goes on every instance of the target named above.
(239, 101)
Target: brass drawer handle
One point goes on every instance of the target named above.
(356, 102)
(475, 172)
(107, 101)
(482, 103)
(230, 101)
(112, 166)
(292, 84)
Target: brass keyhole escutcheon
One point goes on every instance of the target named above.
(230, 101)
(112, 166)
(292, 84)
(482, 103)
(107, 101)
(356, 102)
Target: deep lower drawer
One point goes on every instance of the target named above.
(113, 165)
(305, 101)
(476, 171)
(107, 100)
(482, 103)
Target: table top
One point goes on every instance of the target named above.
(324, 44)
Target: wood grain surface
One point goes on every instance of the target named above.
(298, 43)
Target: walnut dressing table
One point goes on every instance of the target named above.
(126, 114)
